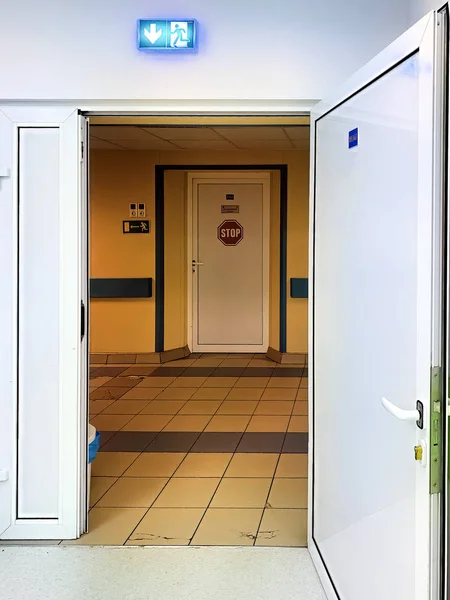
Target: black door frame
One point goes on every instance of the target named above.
(159, 240)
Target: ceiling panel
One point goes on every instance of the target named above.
(298, 133)
(301, 144)
(194, 138)
(184, 133)
(96, 144)
(150, 144)
(251, 133)
(264, 145)
(205, 145)
(118, 133)
(183, 121)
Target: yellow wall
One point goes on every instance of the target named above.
(120, 177)
(175, 297)
(116, 179)
(297, 251)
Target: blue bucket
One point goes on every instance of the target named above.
(93, 447)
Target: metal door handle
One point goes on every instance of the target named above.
(401, 413)
(83, 320)
(197, 264)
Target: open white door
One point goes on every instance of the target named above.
(84, 326)
(43, 361)
(376, 338)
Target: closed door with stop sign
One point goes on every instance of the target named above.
(229, 263)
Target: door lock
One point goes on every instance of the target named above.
(420, 453)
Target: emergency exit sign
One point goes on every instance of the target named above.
(136, 226)
(176, 35)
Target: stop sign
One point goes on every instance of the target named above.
(230, 233)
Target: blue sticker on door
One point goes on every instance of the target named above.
(353, 138)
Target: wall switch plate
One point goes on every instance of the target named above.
(133, 210)
(141, 210)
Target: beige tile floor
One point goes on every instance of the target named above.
(186, 498)
(198, 499)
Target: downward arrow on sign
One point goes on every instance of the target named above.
(153, 35)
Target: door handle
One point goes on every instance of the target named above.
(401, 413)
(197, 264)
(83, 320)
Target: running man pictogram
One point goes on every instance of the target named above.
(180, 35)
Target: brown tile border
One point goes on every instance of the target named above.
(103, 358)
(294, 359)
(173, 441)
(174, 354)
(127, 359)
(274, 355)
(98, 359)
(127, 441)
(197, 442)
(148, 358)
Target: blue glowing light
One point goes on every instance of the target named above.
(177, 35)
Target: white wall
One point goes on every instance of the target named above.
(419, 8)
(248, 49)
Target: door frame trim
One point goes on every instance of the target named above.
(159, 240)
(192, 202)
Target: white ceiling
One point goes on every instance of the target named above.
(132, 137)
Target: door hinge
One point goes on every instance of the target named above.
(436, 431)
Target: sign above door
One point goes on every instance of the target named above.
(177, 35)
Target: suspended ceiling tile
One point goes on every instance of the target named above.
(205, 145)
(183, 133)
(96, 144)
(106, 132)
(190, 121)
(150, 144)
(298, 133)
(264, 144)
(251, 133)
(301, 144)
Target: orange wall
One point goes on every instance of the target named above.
(116, 179)
(120, 177)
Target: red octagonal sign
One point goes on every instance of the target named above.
(230, 232)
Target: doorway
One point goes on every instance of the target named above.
(210, 447)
